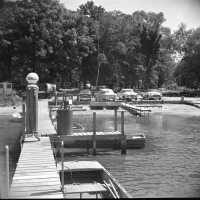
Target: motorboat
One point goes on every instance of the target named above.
(17, 117)
(89, 179)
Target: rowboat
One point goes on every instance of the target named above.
(89, 179)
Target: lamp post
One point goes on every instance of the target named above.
(32, 107)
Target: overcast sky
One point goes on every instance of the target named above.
(175, 11)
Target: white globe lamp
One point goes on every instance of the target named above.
(32, 78)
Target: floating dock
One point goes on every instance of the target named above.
(110, 140)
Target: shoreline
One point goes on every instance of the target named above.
(8, 110)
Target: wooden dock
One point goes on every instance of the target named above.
(108, 105)
(36, 175)
(134, 109)
(45, 126)
(149, 106)
(105, 140)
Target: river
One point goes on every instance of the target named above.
(168, 165)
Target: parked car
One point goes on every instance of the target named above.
(105, 94)
(85, 95)
(153, 95)
(127, 94)
(139, 97)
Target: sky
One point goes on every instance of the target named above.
(175, 11)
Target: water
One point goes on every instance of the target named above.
(169, 165)
(9, 134)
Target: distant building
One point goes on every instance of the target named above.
(6, 89)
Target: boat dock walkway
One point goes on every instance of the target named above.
(36, 175)
(45, 126)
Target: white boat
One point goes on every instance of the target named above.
(89, 179)
(17, 117)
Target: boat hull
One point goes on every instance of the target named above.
(89, 179)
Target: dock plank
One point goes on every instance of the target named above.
(36, 175)
(44, 123)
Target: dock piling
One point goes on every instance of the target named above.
(94, 133)
(62, 163)
(115, 120)
(123, 137)
(55, 98)
(7, 171)
(24, 117)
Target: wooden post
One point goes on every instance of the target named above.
(94, 133)
(66, 104)
(24, 117)
(55, 93)
(63, 99)
(62, 163)
(115, 120)
(88, 147)
(122, 122)
(123, 137)
(7, 171)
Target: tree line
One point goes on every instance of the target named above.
(92, 44)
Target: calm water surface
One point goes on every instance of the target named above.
(169, 165)
(9, 135)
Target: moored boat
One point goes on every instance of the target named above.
(17, 117)
(89, 179)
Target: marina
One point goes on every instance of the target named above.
(42, 167)
(166, 128)
(99, 101)
(48, 147)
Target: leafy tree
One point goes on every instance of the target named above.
(188, 70)
(42, 36)
(91, 10)
(92, 44)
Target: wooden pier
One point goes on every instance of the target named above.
(36, 175)
(135, 110)
(108, 105)
(45, 126)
